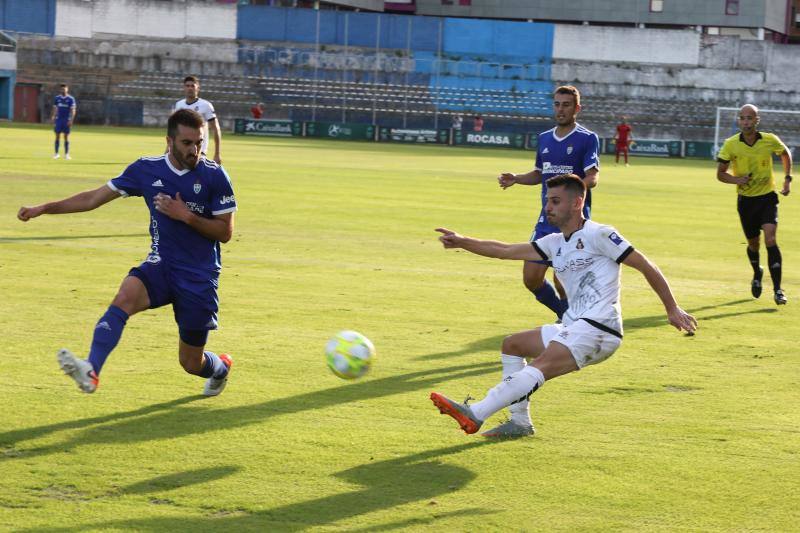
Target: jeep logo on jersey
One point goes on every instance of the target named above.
(197, 187)
(226, 200)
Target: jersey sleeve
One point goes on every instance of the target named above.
(209, 113)
(724, 154)
(127, 183)
(776, 144)
(590, 158)
(546, 245)
(611, 244)
(222, 200)
(72, 102)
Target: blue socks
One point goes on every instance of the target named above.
(66, 147)
(57, 144)
(213, 367)
(107, 333)
(547, 296)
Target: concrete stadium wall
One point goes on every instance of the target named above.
(727, 69)
(28, 16)
(527, 42)
(146, 18)
(8, 61)
(629, 45)
(133, 54)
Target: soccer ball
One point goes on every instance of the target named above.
(349, 354)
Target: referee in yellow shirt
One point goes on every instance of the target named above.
(748, 155)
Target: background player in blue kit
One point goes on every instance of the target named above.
(569, 148)
(62, 116)
(191, 205)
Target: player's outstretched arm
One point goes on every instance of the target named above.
(84, 201)
(495, 249)
(219, 228)
(507, 179)
(677, 316)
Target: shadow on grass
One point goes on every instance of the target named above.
(70, 237)
(172, 420)
(489, 343)
(644, 322)
(385, 484)
(179, 480)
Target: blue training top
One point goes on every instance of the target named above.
(207, 191)
(63, 104)
(575, 153)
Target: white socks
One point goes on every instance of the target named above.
(520, 411)
(516, 388)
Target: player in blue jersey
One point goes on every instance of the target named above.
(569, 148)
(191, 205)
(62, 116)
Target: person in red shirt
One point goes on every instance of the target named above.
(623, 140)
(257, 110)
(477, 124)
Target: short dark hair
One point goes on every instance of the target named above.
(192, 79)
(570, 182)
(569, 89)
(183, 117)
(63, 85)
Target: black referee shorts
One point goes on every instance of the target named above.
(755, 211)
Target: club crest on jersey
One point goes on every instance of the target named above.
(569, 150)
(197, 187)
(616, 239)
(579, 245)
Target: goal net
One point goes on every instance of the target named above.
(785, 123)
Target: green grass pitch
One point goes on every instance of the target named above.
(672, 433)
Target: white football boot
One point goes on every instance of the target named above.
(78, 369)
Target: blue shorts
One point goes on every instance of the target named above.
(62, 126)
(194, 299)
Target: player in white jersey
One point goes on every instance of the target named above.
(191, 87)
(586, 257)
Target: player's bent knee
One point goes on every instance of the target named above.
(196, 338)
(190, 353)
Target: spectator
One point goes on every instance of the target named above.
(457, 122)
(477, 125)
(257, 110)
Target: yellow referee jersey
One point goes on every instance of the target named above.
(754, 160)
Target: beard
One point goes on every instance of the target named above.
(187, 160)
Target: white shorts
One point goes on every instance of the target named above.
(587, 344)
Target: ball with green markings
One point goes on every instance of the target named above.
(349, 354)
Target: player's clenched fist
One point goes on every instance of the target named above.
(27, 213)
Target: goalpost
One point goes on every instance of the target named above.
(785, 123)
